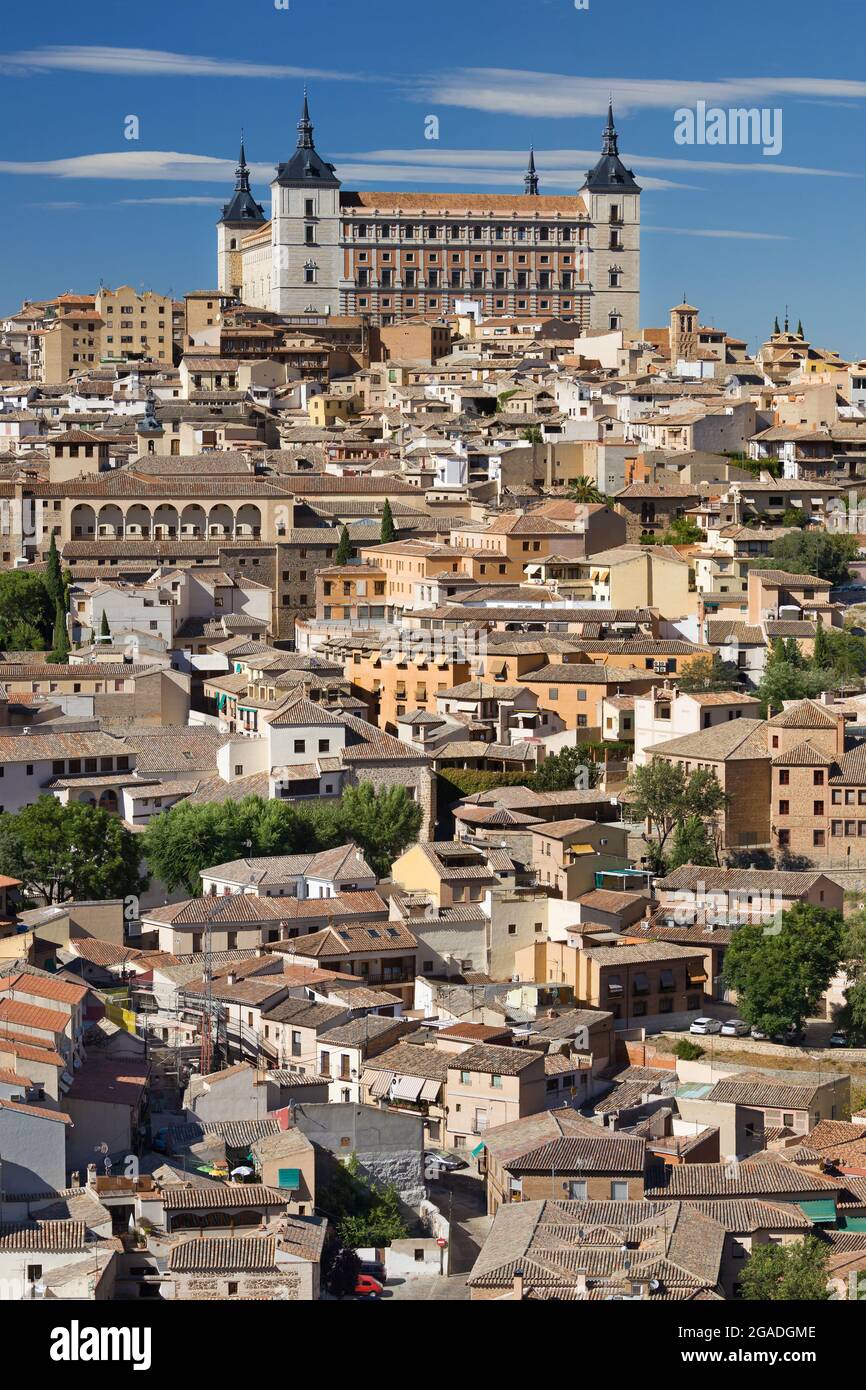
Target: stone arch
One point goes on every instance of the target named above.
(108, 801)
(82, 521)
(165, 521)
(221, 520)
(110, 520)
(193, 520)
(248, 521)
(137, 520)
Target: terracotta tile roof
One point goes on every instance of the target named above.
(32, 1016)
(749, 1179)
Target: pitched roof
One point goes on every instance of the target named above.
(738, 739)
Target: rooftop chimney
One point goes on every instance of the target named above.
(517, 1285)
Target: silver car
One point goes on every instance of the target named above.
(735, 1028)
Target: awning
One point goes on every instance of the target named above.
(479, 1148)
(289, 1178)
(408, 1088)
(431, 1090)
(821, 1212)
(382, 1084)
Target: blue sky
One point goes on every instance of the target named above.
(741, 233)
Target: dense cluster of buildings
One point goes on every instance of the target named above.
(411, 499)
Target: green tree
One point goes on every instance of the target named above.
(583, 489)
(812, 552)
(662, 794)
(104, 627)
(821, 648)
(781, 971)
(845, 653)
(709, 675)
(344, 549)
(794, 516)
(782, 681)
(683, 531)
(53, 576)
(382, 823)
(76, 851)
(572, 767)
(25, 605)
(181, 842)
(691, 844)
(387, 531)
(60, 642)
(532, 434)
(786, 1273)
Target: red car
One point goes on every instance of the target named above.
(367, 1287)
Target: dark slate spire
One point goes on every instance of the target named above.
(306, 164)
(610, 174)
(305, 127)
(243, 206)
(530, 178)
(609, 145)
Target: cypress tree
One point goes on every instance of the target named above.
(388, 531)
(60, 641)
(53, 576)
(104, 629)
(344, 549)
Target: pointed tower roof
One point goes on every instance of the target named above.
(306, 165)
(243, 206)
(530, 178)
(610, 174)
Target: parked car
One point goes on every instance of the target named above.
(438, 1160)
(706, 1025)
(375, 1268)
(791, 1037)
(367, 1287)
(759, 1036)
(839, 1039)
(735, 1028)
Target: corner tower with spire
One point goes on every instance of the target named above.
(240, 215)
(611, 196)
(530, 178)
(305, 226)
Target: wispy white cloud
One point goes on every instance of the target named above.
(513, 92)
(169, 165)
(170, 202)
(576, 162)
(722, 232)
(154, 62)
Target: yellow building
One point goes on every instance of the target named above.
(135, 325)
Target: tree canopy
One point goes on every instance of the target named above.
(786, 1273)
(571, 767)
(63, 852)
(812, 552)
(664, 795)
(781, 971)
(181, 842)
(27, 611)
(708, 675)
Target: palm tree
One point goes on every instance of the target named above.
(583, 489)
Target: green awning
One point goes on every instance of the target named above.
(821, 1212)
(479, 1148)
(852, 1223)
(290, 1178)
